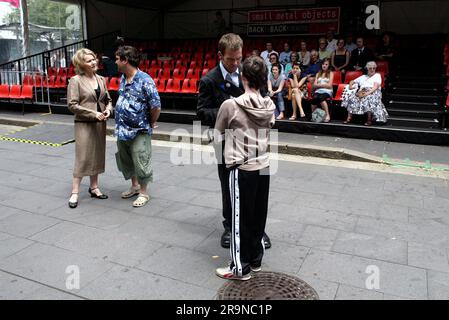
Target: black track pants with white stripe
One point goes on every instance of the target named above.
(249, 192)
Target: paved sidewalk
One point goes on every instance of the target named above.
(329, 226)
(301, 144)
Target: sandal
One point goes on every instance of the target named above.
(327, 119)
(98, 196)
(141, 200)
(368, 123)
(131, 192)
(73, 205)
(292, 118)
(348, 120)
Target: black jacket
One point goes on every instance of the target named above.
(213, 91)
(362, 59)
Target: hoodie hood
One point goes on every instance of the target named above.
(259, 109)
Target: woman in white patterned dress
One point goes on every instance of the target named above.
(367, 98)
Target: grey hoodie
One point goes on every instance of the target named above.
(246, 122)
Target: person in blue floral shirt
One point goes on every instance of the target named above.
(136, 112)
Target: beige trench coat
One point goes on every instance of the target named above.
(90, 134)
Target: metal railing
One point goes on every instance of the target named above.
(58, 57)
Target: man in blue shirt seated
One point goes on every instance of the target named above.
(314, 67)
(136, 112)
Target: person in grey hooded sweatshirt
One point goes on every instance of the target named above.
(246, 122)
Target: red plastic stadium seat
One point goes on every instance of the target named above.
(15, 91)
(4, 91)
(193, 64)
(210, 63)
(155, 64)
(51, 82)
(337, 78)
(61, 82)
(339, 94)
(160, 85)
(63, 72)
(37, 80)
(189, 86)
(52, 71)
(173, 86)
(382, 66)
(28, 79)
(179, 74)
(27, 92)
(352, 75)
(71, 72)
(204, 72)
(382, 75)
(164, 74)
(309, 91)
(153, 72)
(193, 74)
(447, 101)
(114, 84)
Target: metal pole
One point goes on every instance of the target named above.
(25, 29)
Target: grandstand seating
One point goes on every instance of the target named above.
(173, 86)
(189, 86)
(352, 75)
(337, 78)
(4, 91)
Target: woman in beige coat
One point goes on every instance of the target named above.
(89, 100)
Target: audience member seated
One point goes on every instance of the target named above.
(385, 50)
(360, 56)
(255, 52)
(293, 59)
(367, 97)
(350, 45)
(274, 59)
(340, 57)
(314, 67)
(284, 57)
(297, 90)
(322, 51)
(266, 54)
(323, 89)
(304, 56)
(276, 90)
(331, 41)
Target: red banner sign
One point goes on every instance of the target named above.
(14, 3)
(293, 21)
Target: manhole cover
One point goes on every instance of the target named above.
(268, 286)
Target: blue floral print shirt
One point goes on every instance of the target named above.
(132, 110)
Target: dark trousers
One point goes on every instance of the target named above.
(223, 174)
(249, 192)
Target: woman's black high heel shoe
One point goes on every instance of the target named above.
(73, 205)
(93, 195)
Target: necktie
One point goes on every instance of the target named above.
(228, 78)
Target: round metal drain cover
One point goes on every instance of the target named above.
(268, 286)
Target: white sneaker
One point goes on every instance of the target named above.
(226, 273)
(256, 269)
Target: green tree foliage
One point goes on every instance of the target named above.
(45, 13)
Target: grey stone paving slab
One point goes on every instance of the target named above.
(442, 192)
(211, 245)
(428, 257)
(46, 293)
(123, 248)
(371, 247)
(395, 279)
(165, 231)
(59, 232)
(26, 224)
(326, 290)
(427, 231)
(348, 204)
(11, 166)
(180, 264)
(313, 216)
(175, 193)
(351, 293)
(208, 199)
(123, 283)
(33, 202)
(193, 214)
(413, 189)
(48, 265)
(438, 283)
(318, 237)
(15, 288)
(205, 184)
(286, 258)
(8, 211)
(108, 219)
(10, 245)
(285, 231)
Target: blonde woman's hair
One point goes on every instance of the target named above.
(78, 59)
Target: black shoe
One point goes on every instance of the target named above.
(93, 195)
(266, 241)
(226, 239)
(73, 205)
